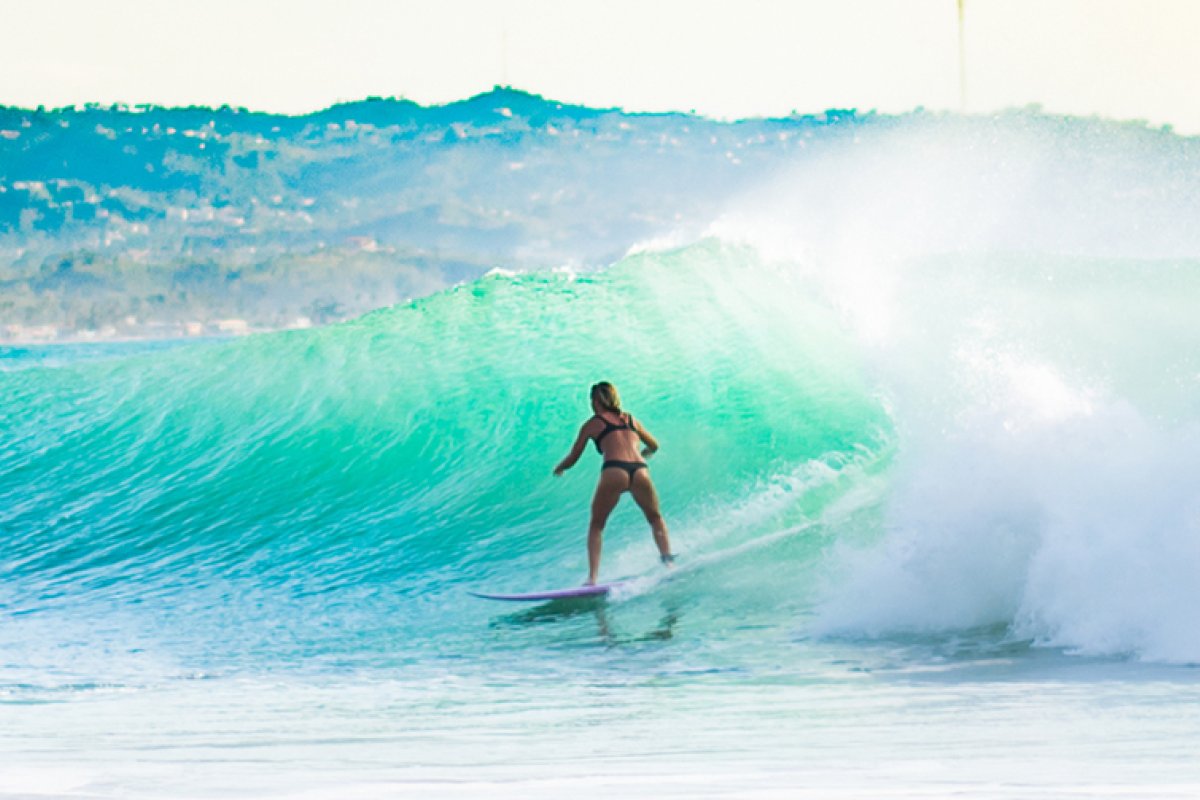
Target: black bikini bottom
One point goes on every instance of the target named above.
(630, 467)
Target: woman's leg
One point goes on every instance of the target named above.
(642, 489)
(612, 483)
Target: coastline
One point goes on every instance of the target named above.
(17, 335)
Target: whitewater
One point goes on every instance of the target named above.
(927, 406)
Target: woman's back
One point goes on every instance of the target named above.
(617, 439)
(617, 436)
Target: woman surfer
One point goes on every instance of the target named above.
(617, 435)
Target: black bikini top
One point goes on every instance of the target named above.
(626, 425)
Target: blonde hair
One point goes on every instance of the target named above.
(606, 395)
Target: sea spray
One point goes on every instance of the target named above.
(1041, 482)
(1020, 290)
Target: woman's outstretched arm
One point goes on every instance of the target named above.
(576, 450)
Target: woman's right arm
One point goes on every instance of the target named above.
(576, 451)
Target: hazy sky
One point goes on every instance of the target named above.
(1134, 59)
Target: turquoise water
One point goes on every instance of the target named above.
(935, 514)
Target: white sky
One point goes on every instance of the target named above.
(1128, 59)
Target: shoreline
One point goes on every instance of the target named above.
(49, 336)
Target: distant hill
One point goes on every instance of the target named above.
(142, 220)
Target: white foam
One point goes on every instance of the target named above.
(1075, 524)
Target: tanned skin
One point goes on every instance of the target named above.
(619, 445)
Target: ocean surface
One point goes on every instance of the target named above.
(934, 496)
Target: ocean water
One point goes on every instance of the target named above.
(934, 496)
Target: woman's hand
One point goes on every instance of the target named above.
(651, 443)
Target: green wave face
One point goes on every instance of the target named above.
(856, 451)
(388, 464)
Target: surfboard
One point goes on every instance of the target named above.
(599, 590)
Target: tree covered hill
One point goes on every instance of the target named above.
(109, 214)
(147, 220)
